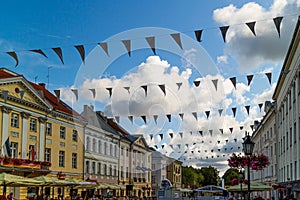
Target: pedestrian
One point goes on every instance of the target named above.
(10, 196)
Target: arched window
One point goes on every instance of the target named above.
(88, 144)
(105, 148)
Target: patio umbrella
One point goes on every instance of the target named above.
(253, 187)
(14, 180)
(51, 181)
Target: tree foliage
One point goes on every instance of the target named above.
(192, 177)
(229, 175)
(211, 175)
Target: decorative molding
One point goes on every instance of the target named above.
(6, 109)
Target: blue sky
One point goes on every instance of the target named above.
(44, 25)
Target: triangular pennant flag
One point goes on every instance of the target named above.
(14, 55)
(248, 109)
(220, 111)
(241, 127)
(201, 133)
(104, 47)
(117, 118)
(144, 119)
(22, 92)
(155, 118)
(128, 89)
(176, 37)
(58, 52)
(179, 85)
(130, 118)
(277, 22)
(151, 42)
(171, 146)
(231, 129)
(178, 146)
(169, 117)
(127, 44)
(187, 145)
(207, 114)
(260, 106)
(218, 141)
(195, 115)
(215, 82)
(233, 111)
(93, 92)
(226, 141)
(5, 95)
(210, 132)
(109, 91)
(145, 88)
(269, 75)
(251, 25)
(196, 83)
(39, 51)
(224, 31)
(180, 133)
(235, 139)
(151, 136)
(252, 126)
(156, 146)
(233, 80)
(80, 49)
(75, 91)
(161, 136)
(192, 151)
(198, 34)
(249, 78)
(171, 135)
(57, 93)
(221, 130)
(163, 88)
(181, 115)
(191, 132)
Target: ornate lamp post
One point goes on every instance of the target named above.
(248, 146)
(241, 176)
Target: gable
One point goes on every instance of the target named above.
(20, 90)
(141, 142)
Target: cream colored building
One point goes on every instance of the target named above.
(287, 98)
(33, 118)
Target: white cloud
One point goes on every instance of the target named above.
(249, 51)
(222, 59)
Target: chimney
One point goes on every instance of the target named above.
(42, 84)
(92, 107)
(85, 108)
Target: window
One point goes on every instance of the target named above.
(127, 172)
(62, 132)
(14, 120)
(291, 136)
(61, 159)
(88, 144)
(75, 136)
(74, 160)
(116, 151)
(48, 154)
(111, 150)
(122, 172)
(110, 170)
(87, 167)
(295, 133)
(14, 149)
(99, 146)
(48, 129)
(122, 151)
(105, 169)
(94, 145)
(294, 92)
(33, 124)
(115, 170)
(105, 148)
(99, 168)
(93, 167)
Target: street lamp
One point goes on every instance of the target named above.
(241, 176)
(248, 146)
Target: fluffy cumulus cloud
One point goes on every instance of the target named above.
(205, 134)
(249, 51)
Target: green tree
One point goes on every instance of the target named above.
(211, 175)
(230, 174)
(192, 176)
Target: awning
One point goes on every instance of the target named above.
(253, 187)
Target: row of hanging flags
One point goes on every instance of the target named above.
(163, 86)
(150, 40)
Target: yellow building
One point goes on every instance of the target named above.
(39, 127)
(174, 172)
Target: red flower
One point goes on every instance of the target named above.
(257, 162)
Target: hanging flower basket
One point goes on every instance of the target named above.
(257, 162)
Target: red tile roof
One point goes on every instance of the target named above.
(58, 105)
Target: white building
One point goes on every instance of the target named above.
(159, 170)
(287, 98)
(265, 140)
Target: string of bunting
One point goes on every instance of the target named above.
(150, 40)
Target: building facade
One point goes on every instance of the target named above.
(287, 99)
(101, 157)
(41, 128)
(265, 138)
(174, 172)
